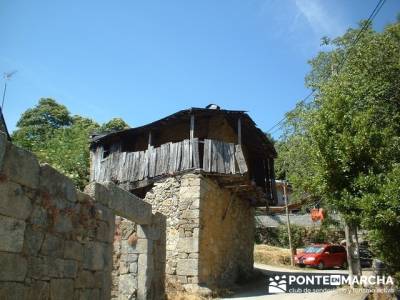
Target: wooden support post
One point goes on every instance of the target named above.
(150, 142)
(239, 131)
(191, 159)
(191, 127)
(271, 184)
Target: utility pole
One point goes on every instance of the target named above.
(352, 249)
(288, 222)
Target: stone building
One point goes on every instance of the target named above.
(205, 170)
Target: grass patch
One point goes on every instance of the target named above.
(183, 296)
(270, 255)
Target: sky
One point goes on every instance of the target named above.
(143, 60)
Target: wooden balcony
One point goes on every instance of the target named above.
(210, 156)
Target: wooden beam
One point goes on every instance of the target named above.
(239, 131)
(191, 141)
(242, 186)
(191, 127)
(150, 142)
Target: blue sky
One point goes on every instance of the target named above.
(143, 60)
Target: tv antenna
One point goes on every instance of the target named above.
(6, 76)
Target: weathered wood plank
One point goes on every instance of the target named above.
(206, 157)
(120, 167)
(135, 166)
(169, 158)
(195, 153)
(158, 161)
(185, 155)
(104, 169)
(165, 157)
(232, 163)
(146, 164)
(240, 159)
(178, 156)
(113, 163)
(220, 157)
(190, 154)
(226, 158)
(214, 156)
(101, 170)
(114, 166)
(152, 161)
(142, 165)
(130, 166)
(95, 166)
(172, 158)
(209, 155)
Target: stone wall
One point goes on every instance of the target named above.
(226, 236)
(139, 259)
(57, 242)
(264, 220)
(276, 220)
(203, 247)
(178, 199)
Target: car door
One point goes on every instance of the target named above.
(327, 257)
(342, 256)
(336, 256)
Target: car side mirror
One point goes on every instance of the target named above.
(326, 252)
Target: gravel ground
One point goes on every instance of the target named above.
(257, 289)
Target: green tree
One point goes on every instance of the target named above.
(60, 139)
(345, 146)
(114, 124)
(57, 138)
(38, 123)
(297, 159)
(68, 150)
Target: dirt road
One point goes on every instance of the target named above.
(257, 290)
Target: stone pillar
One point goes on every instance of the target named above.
(188, 243)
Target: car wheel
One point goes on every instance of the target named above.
(321, 266)
(345, 265)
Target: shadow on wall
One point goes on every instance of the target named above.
(57, 242)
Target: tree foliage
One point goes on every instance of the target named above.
(114, 124)
(38, 123)
(344, 147)
(60, 139)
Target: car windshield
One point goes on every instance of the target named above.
(313, 249)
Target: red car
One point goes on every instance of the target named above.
(322, 256)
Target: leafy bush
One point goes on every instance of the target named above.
(301, 236)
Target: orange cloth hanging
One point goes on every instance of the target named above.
(317, 214)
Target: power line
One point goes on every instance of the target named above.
(283, 119)
(371, 17)
(364, 28)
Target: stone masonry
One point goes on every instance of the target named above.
(178, 199)
(57, 242)
(209, 232)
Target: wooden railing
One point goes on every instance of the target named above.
(169, 158)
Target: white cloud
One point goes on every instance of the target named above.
(302, 23)
(321, 20)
